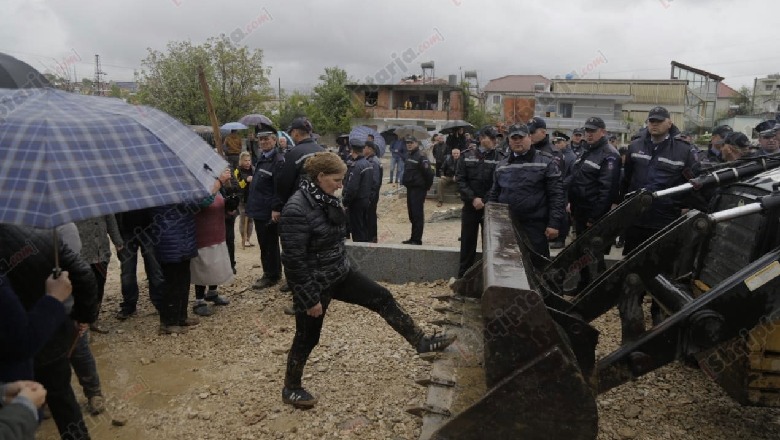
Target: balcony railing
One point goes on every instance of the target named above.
(378, 113)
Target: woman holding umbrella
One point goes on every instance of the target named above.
(312, 230)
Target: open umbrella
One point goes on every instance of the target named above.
(256, 119)
(102, 156)
(451, 126)
(16, 74)
(284, 134)
(413, 130)
(233, 126)
(361, 133)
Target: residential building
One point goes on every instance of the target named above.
(513, 96)
(429, 102)
(631, 99)
(766, 94)
(726, 98)
(566, 111)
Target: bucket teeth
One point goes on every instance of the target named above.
(446, 322)
(421, 411)
(435, 381)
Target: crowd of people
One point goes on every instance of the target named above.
(288, 196)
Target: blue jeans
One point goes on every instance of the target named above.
(83, 363)
(128, 258)
(396, 168)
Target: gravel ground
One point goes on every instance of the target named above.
(222, 380)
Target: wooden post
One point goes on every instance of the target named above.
(212, 116)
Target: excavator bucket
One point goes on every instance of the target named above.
(512, 372)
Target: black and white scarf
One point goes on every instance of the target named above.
(331, 204)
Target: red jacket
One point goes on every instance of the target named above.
(210, 223)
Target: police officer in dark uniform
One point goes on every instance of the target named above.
(260, 203)
(417, 178)
(767, 139)
(474, 176)
(714, 155)
(561, 144)
(357, 191)
(377, 172)
(594, 185)
(529, 181)
(657, 161)
(289, 176)
(577, 142)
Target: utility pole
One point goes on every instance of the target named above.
(204, 86)
(98, 76)
(280, 95)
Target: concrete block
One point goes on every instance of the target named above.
(400, 263)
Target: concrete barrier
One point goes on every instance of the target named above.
(400, 263)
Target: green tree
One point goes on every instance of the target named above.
(291, 107)
(116, 92)
(332, 106)
(744, 101)
(476, 114)
(238, 82)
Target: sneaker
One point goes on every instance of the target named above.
(557, 245)
(216, 298)
(299, 398)
(289, 311)
(434, 343)
(414, 242)
(123, 315)
(95, 328)
(171, 330)
(96, 405)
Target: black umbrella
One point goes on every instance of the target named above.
(451, 126)
(389, 135)
(16, 74)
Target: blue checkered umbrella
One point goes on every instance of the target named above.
(67, 157)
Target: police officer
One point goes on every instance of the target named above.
(474, 176)
(289, 176)
(736, 146)
(259, 206)
(577, 141)
(343, 146)
(594, 185)
(767, 139)
(357, 191)
(417, 178)
(371, 154)
(561, 144)
(529, 181)
(656, 161)
(714, 155)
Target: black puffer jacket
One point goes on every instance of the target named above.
(27, 258)
(475, 173)
(532, 187)
(313, 251)
(595, 181)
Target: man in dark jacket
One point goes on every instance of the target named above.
(131, 224)
(418, 178)
(34, 251)
(398, 153)
(474, 178)
(594, 185)
(562, 145)
(447, 178)
(577, 142)
(714, 155)
(357, 191)
(657, 161)
(440, 152)
(289, 176)
(529, 181)
(260, 203)
(370, 152)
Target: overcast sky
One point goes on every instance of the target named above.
(608, 38)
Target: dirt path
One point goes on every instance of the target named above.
(222, 380)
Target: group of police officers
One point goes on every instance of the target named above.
(549, 185)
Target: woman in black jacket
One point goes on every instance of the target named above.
(312, 230)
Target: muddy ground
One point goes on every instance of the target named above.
(222, 380)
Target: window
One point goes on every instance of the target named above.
(769, 87)
(565, 109)
(371, 98)
(496, 99)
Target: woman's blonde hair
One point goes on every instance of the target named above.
(324, 162)
(243, 155)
